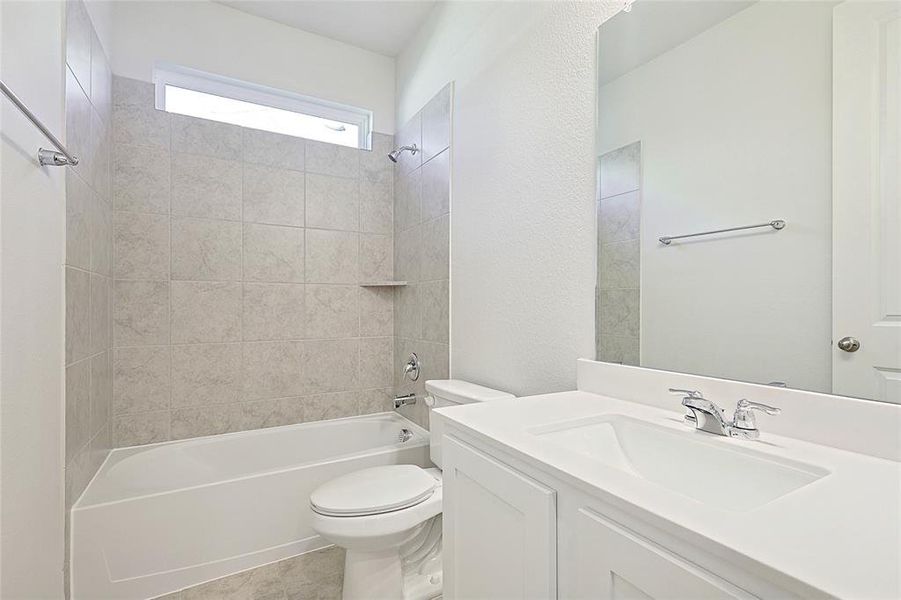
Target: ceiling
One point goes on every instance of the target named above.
(382, 26)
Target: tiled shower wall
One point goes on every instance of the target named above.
(422, 249)
(88, 253)
(237, 262)
(619, 265)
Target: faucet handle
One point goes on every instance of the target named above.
(744, 418)
(686, 393)
(745, 404)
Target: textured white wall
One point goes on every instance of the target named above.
(221, 40)
(523, 245)
(735, 128)
(32, 242)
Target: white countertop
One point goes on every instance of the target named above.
(840, 534)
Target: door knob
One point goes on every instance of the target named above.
(849, 344)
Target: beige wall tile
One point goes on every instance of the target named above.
(273, 196)
(410, 133)
(407, 200)
(436, 124)
(273, 370)
(436, 249)
(377, 203)
(140, 246)
(78, 42)
(332, 256)
(273, 253)
(101, 391)
(208, 138)
(331, 365)
(620, 170)
(100, 313)
(408, 312)
(376, 257)
(206, 374)
(332, 311)
(436, 187)
(374, 164)
(273, 149)
(101, 236)
(205, 312)
(332, 202)
(78, 125)
(140, 313)
(274, 311)
(619, 265)
(141, 379)
(99, 151)
(376, 362)
(407, 255)
(101, 81)
(205, 250)
(78, 406)
(78, 314)
(618, 312)
(206, 187)
(434, 302)
(140, 126)
(330, 159)
(141, 179)
(138, 429)
(619, 218)
(334, 405)
(78, 221)
(376, 311)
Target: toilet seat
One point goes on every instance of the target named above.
(374, 491)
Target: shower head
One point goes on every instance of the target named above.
(395, 154)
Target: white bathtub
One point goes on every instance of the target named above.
(160, 518)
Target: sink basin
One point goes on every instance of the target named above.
(731, 478)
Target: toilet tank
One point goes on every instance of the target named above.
(442, 393)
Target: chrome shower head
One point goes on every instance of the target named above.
(395, 154)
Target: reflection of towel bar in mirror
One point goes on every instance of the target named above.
(776, 224)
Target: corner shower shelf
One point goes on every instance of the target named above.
(384, 284)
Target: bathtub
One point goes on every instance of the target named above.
(156, 519)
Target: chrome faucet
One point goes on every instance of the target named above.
(707, 416)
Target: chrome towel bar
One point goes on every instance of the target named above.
(46, 157)
(776, 224)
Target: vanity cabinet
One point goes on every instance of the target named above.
(514, 531)
(499, 529)
(614, 562)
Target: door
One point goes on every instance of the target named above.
(866, 211)
(615, 563)
(499, 529)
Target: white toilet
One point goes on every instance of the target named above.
(389, 518)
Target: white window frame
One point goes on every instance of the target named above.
(200, 81)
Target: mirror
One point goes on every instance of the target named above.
(748, 214)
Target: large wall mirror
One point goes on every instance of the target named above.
(777, 125)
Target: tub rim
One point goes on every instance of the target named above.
(422, 439)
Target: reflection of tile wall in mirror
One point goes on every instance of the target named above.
(617, 323)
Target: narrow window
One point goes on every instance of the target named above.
(197, 94)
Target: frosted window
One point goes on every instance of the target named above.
(258, 116)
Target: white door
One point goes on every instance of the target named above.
(500, 540)
(615, 563)
(866, 201)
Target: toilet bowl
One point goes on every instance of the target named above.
(388, 519)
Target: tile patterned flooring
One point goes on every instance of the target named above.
(315, 575)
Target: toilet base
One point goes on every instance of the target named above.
(370, 575)
(410, 572)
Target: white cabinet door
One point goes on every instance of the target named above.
(499, 529)
(615, 563)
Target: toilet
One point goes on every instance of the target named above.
(388, 518)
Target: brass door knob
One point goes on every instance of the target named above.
(849, 344)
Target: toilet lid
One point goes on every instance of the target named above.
(373, 491)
